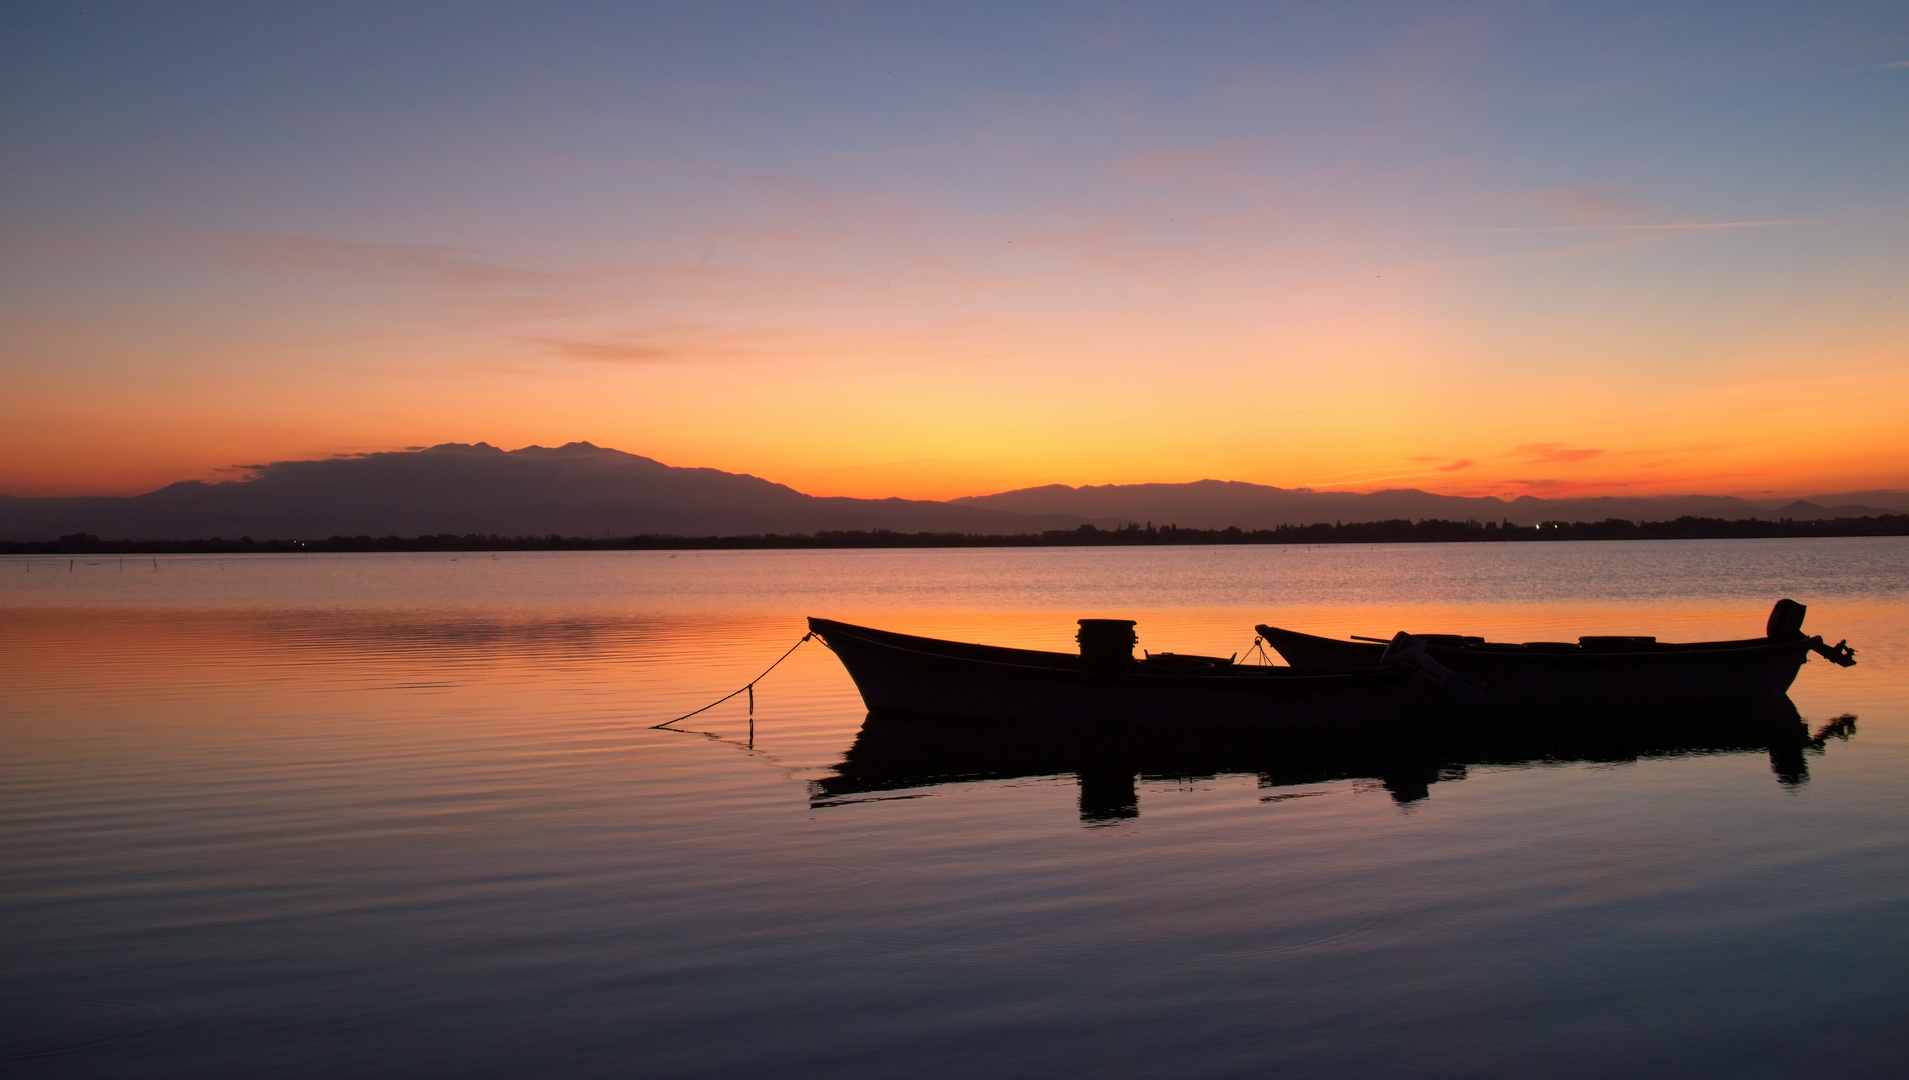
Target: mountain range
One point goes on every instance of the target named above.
(1216, 504)
(583, 490)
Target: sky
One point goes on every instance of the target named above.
(929, 250)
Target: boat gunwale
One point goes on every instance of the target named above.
(1069, 666)
(1667, 652)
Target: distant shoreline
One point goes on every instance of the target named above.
(1429, 531)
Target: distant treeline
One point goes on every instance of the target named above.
(1429, 531)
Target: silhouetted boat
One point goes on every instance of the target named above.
(929, 677)
(895, 753)
(1593, 670)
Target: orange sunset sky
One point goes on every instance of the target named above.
(933, 251)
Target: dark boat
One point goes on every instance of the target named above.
(900, 673)
(894, 753)
(1601, 670)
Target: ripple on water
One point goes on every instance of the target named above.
(39, 1027)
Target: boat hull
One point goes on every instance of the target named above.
(1754, 673)
(1311, 651)
(1757, 669)
(898, 673)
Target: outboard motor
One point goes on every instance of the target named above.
(1106, 644)
(1409, 652)
(1786, 624)
(1786, 621)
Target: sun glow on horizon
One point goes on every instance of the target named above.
(1280, 247)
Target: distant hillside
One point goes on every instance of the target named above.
(575, 490)
(1216, 504)
(582, 490)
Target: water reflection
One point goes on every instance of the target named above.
(894, 753)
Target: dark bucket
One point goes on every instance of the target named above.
(1106, 643)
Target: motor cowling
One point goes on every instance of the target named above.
(1786, 621)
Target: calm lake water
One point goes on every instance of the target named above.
(403, 815)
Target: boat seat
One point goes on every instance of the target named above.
(1184, 661)
(1634, 643)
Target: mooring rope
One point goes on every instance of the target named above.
(1258, 646)
(749, 686)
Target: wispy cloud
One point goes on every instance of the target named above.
(1585, 204)
(1222, 167)
(1117, 246)
(1542, 487)
(1366, 480)
(684, 345)
(1525, 455)
(1551, 451)
(1670, 226)
(359, 258)
(616, 352)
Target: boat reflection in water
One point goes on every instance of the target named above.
(896, 752)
